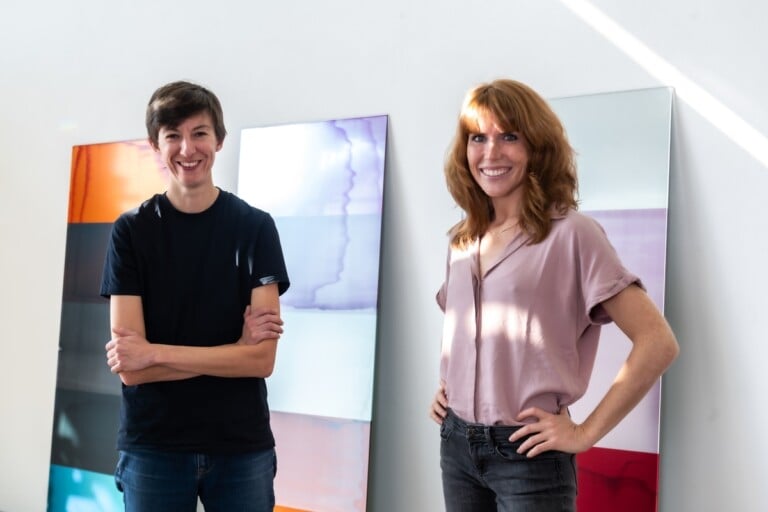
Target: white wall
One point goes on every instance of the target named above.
(81, 71)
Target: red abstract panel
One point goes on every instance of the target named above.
(611, 480)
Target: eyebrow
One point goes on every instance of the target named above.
(198, 127)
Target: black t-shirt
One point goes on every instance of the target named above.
(194, 273)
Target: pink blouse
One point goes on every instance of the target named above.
(525, 333)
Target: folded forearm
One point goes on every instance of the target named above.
(231, 360)
(157, 373)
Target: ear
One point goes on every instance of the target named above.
(153, 145)
(219, 145)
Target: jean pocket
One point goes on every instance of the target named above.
(274, 459)
(445, 430)
(508, 451)
(119, 472)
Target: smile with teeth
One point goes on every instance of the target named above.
(496, 171)
(189, 165)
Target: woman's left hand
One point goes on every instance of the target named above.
(550, 432)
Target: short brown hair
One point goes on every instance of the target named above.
(551, 181)
(172, 103)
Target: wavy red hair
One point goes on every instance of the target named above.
(551, 181)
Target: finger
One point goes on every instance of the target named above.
(539, 448)
(532, 412)
(268, 318)
(267, 327)
(521, 433)
(247, 311)
(436, 414)
(536, 443)
(529, 444)
(262, 334)
(254, 322)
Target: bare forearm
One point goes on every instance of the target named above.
(155, 373)
(646, 363)
(232, 360)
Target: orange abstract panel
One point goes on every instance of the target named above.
(278, 508)
(109, 179)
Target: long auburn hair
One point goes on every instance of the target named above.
(551, 181)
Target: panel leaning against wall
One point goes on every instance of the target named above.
(323, 184)
(106, 180)
(622, 144)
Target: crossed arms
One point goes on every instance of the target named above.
(138, 361)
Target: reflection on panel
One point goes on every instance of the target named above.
(622, 141)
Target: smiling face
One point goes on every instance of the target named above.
(498, 161)
(188, 151)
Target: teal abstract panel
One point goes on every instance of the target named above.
(79, 490)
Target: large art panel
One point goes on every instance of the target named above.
(106, 179)
(622, 141)
(323, 184)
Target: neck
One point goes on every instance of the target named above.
(505, 221)
(192, 200)
(506, 211)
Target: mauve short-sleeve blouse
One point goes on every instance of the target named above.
(525, 334)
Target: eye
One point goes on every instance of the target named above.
(510, 137)
(201, 133)
(477, 137)
(171, 136)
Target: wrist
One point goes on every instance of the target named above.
(589, 437)
(158, 355)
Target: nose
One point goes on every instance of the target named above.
(491, 148)
(187, 146)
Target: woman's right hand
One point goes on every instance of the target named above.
(439, 408)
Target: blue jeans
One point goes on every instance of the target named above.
(155, 481)
(482, 472)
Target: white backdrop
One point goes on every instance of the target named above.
(81, 71)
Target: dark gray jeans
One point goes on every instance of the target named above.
(482, 472)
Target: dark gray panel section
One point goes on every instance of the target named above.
(85, 430)
(82, 357)
(84, 261)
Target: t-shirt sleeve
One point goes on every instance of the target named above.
(603, 275)
(120, 275)
(441, 296)
(267, 254)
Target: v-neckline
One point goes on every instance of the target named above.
(520, 239)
